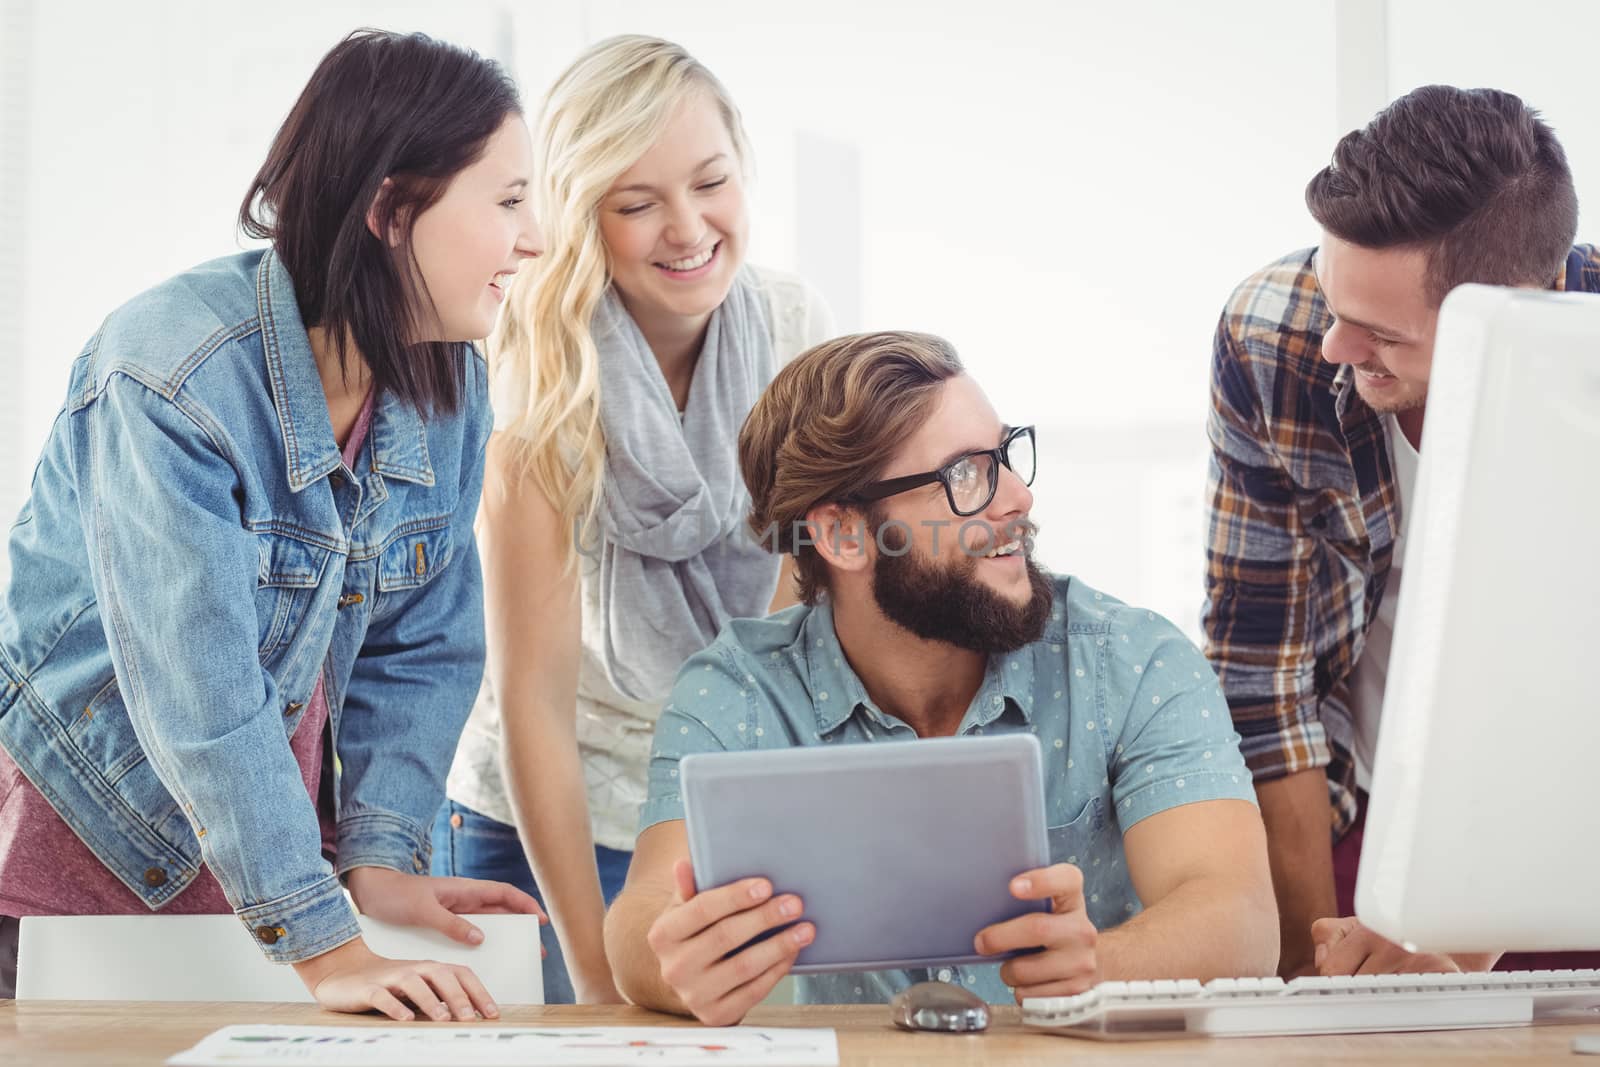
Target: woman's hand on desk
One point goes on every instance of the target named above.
(439, 903)
(1067, 964)
(353, 978)
(698, 943)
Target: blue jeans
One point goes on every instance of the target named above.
(469, 844)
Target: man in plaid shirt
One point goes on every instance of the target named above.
(1319, 383)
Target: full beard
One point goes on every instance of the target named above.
(950, 603)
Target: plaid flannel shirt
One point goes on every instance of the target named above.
(1302, 519)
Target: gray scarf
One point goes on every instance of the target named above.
(677, 560)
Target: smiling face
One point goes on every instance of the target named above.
(1383, 322)
(675, 223)
(471, 241)
(969, 581)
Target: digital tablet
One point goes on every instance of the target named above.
(901, 851)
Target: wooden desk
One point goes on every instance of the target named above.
(52, 1033)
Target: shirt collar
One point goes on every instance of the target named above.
(397, 437)
(1007, 681)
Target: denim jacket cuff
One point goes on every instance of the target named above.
(304, 924)
(383, 839)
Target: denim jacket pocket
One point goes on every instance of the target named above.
(414, 556)
(103, 733)
(288, 577)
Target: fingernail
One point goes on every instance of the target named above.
(760, 891)
(789, 908)
(802, 936)
(493, 1010)
(977, 943)
(1022, 885)
(1320, 955)
(475, 936)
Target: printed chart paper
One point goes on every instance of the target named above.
(424, 1045)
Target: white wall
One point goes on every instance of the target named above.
(1067, 191)
(1545, 55)
(143, 123)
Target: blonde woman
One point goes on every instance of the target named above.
(613, 529)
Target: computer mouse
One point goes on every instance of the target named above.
(939, 1006)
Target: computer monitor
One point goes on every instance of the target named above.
(1483, 824)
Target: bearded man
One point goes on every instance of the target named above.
(881, 467)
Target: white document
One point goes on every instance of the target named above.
(213, 957)
(427, 1045)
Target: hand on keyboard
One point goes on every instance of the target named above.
(1067, 965)
(1345, 946)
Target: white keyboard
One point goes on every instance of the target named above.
(1259, 1007)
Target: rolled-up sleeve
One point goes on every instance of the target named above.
(1177, 744)
(710, 699)
(1260, 572)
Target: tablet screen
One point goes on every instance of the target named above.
(901, 851)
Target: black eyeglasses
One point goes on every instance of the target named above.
(970, 481)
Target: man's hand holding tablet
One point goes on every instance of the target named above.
(707, 948)
(1068, 964)
(694, 938)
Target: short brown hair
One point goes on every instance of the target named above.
(1472, 176)
(826, 427)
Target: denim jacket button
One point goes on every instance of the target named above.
(292, 708)
(455, 820)
(155, 877)
(416, 861)
(268, 935)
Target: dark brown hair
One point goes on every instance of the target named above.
(379, 106)
(1472, 176)
(826, 427)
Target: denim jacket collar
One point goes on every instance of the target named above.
(397, 439)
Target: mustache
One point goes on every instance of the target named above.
(1023, 530)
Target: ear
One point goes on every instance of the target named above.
(392, 239)
(840, 536)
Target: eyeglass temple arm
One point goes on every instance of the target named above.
(889, 488)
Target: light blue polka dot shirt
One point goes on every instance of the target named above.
(1129, 715)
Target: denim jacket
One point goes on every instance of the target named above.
(193, 554)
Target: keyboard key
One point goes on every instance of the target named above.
(1320, 1005)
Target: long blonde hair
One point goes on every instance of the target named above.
(604, 112)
